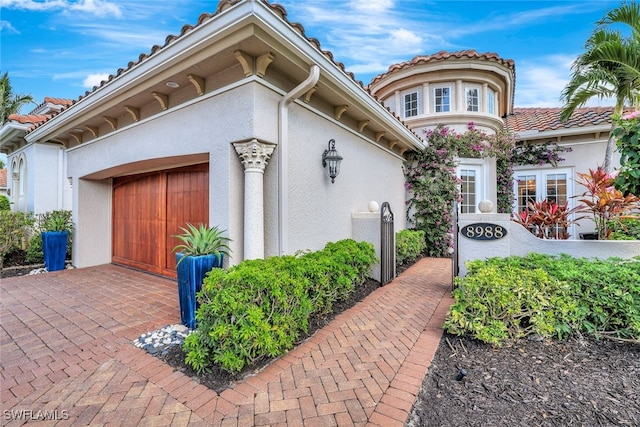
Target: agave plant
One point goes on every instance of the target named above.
(202, 240)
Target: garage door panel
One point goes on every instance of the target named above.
(147, 211)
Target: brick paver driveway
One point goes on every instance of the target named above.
(67, 359)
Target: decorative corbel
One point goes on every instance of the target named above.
(113, 122)
(362, 124)
(134, 112)
(309, 94)
(339, 110)
(93, 129)
(197, 82)
(262, 63)
(76, 136)
(379, 135)
(162, 99)
(403, 150)
(393, 144)
(246, 61)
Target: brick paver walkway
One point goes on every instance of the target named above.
(66, 354)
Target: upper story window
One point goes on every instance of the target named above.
(442, 99)
(473, 99)
(491, 102)
(410, 104)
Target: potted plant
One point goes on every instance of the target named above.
(55, 227)
(603, 200)
(202, 249)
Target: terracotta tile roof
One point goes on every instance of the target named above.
(443, 56)
(222, 5)
(546, 119)
(3, 178)
(30, 118)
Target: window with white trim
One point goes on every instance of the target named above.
(552, 184)
(410, 104)
(470, 177)
(491, 102)
(442, 99)
(473, 98)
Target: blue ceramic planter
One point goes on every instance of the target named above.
(191, 272)
(54, 248)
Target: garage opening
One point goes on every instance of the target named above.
(148, 210)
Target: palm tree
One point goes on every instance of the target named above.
(11, 103)
(609, 68)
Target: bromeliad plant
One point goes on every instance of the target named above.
(547, 219)
(605, 202)
(202, 240)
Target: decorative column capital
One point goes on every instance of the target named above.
(254, 154)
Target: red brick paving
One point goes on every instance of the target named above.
(66, 354)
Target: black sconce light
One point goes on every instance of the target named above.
(332, 158)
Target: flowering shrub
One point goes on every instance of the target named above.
(538, 154)
(431, 179)
(628, 133)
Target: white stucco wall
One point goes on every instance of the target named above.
(320, 211)
(47, 187)
(519, 242)
(206, 126)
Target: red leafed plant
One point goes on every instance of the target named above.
(546, 219)
(604, 201)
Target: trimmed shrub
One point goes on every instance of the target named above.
(410, 244)
(14, 229)
(5, 205)
(625, 229)
(259, 308)
(509, 298)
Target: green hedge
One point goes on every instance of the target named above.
(259, 308)
(410, 244)
(510, 298)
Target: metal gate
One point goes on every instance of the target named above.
(387, 245)
(454, 256)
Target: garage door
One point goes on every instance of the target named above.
(148, 210)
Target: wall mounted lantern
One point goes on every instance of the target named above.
(332, 158)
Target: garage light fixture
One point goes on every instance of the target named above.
(332, 158)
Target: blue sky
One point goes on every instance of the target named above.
(61, 48)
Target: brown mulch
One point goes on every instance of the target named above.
(576, 382)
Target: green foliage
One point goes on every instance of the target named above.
(509, 298)
(5, 204)
(534, 154)
(34, 249)
(56, 220)
(202, 240)
(258, 309)
(625, 229)
(14, 229)
(627, 132)
(410, 244)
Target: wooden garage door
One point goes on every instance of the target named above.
(148, 210)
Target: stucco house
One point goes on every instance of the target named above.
(226, 123)
(3, 182)
(36, 170)
(453, 89)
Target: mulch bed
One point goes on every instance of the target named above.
(578, 382)
(15, 264)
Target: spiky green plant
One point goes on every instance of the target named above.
(202, 240)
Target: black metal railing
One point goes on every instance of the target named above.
(387, 245)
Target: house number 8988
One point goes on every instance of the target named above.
(483, 231)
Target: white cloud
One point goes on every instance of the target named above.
(540, 81)
(94, 80)
(100, 8)
(5, 26)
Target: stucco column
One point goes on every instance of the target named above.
(254, 156)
